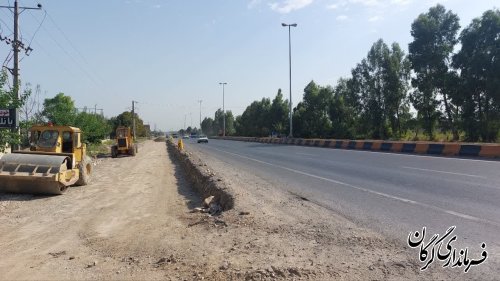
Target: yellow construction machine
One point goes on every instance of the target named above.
(124, 143)
(56, 160)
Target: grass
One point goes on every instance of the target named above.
(95, 149)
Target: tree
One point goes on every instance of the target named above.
(94, 126)
(60, 110)
(369, 80)
(434, 37)
(255, 120)
(207, 126)
(310, 117)
(125, 119)
(30, 113)
(479, 65)
(278, 114)
(9, 99)
(344, 111)
(396, 76)
(218, 124)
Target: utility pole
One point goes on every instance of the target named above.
(200, 113)
(133, 117)
(17, 46)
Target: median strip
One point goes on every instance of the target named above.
(203, 180)
(429, 148)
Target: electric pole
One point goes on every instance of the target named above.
(17, 46)
(133, 117)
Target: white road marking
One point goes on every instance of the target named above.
(444, 172)
(449, 212)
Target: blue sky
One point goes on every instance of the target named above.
(168, 54)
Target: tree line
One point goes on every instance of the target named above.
(59, 110)
(448, 83)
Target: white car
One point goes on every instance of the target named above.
(202, 138)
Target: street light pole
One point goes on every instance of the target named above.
(290, 74)
(223, 110)
(200, 114)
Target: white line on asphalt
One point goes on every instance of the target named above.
(444, 172)
(461, 215)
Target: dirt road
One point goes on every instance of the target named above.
(135, 222)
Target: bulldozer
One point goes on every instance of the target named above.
(124, 143)
(55, 161)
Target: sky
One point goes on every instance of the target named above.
(169, 54)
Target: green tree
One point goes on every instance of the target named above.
(218, 123)
(207, 126)
(310, 117)
(94, 127)
(369, 80)
(397, 77)
(125, 119)
(255, 120)
(344, 111)
(479, 65)
(60, 110)
(9, 99)
(278, 114)
(434, 37)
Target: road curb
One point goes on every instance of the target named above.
(203, 180)
(427, 148)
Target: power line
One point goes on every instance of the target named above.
(67, 53)
(36, 31)
(66, 37)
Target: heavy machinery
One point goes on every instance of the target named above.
(56, 160)
(124, 143)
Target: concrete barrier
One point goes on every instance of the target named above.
(203, 181)
(430, 148)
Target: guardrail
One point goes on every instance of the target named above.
(432, 148)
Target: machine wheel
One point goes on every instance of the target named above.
(114, 151)
(132, 150)
(85, 170)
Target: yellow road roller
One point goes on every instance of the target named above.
(56, 160)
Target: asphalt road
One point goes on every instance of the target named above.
(394, 194)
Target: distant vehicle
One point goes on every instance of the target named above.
(202, 138)
(185, 137)
(175, 136)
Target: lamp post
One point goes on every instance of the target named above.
(290, 63)
(223, 110)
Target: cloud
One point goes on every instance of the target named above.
(375, 18)
(253, 3)
(366, 2)
(288, 6)
(401, 2)
(342, 18)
